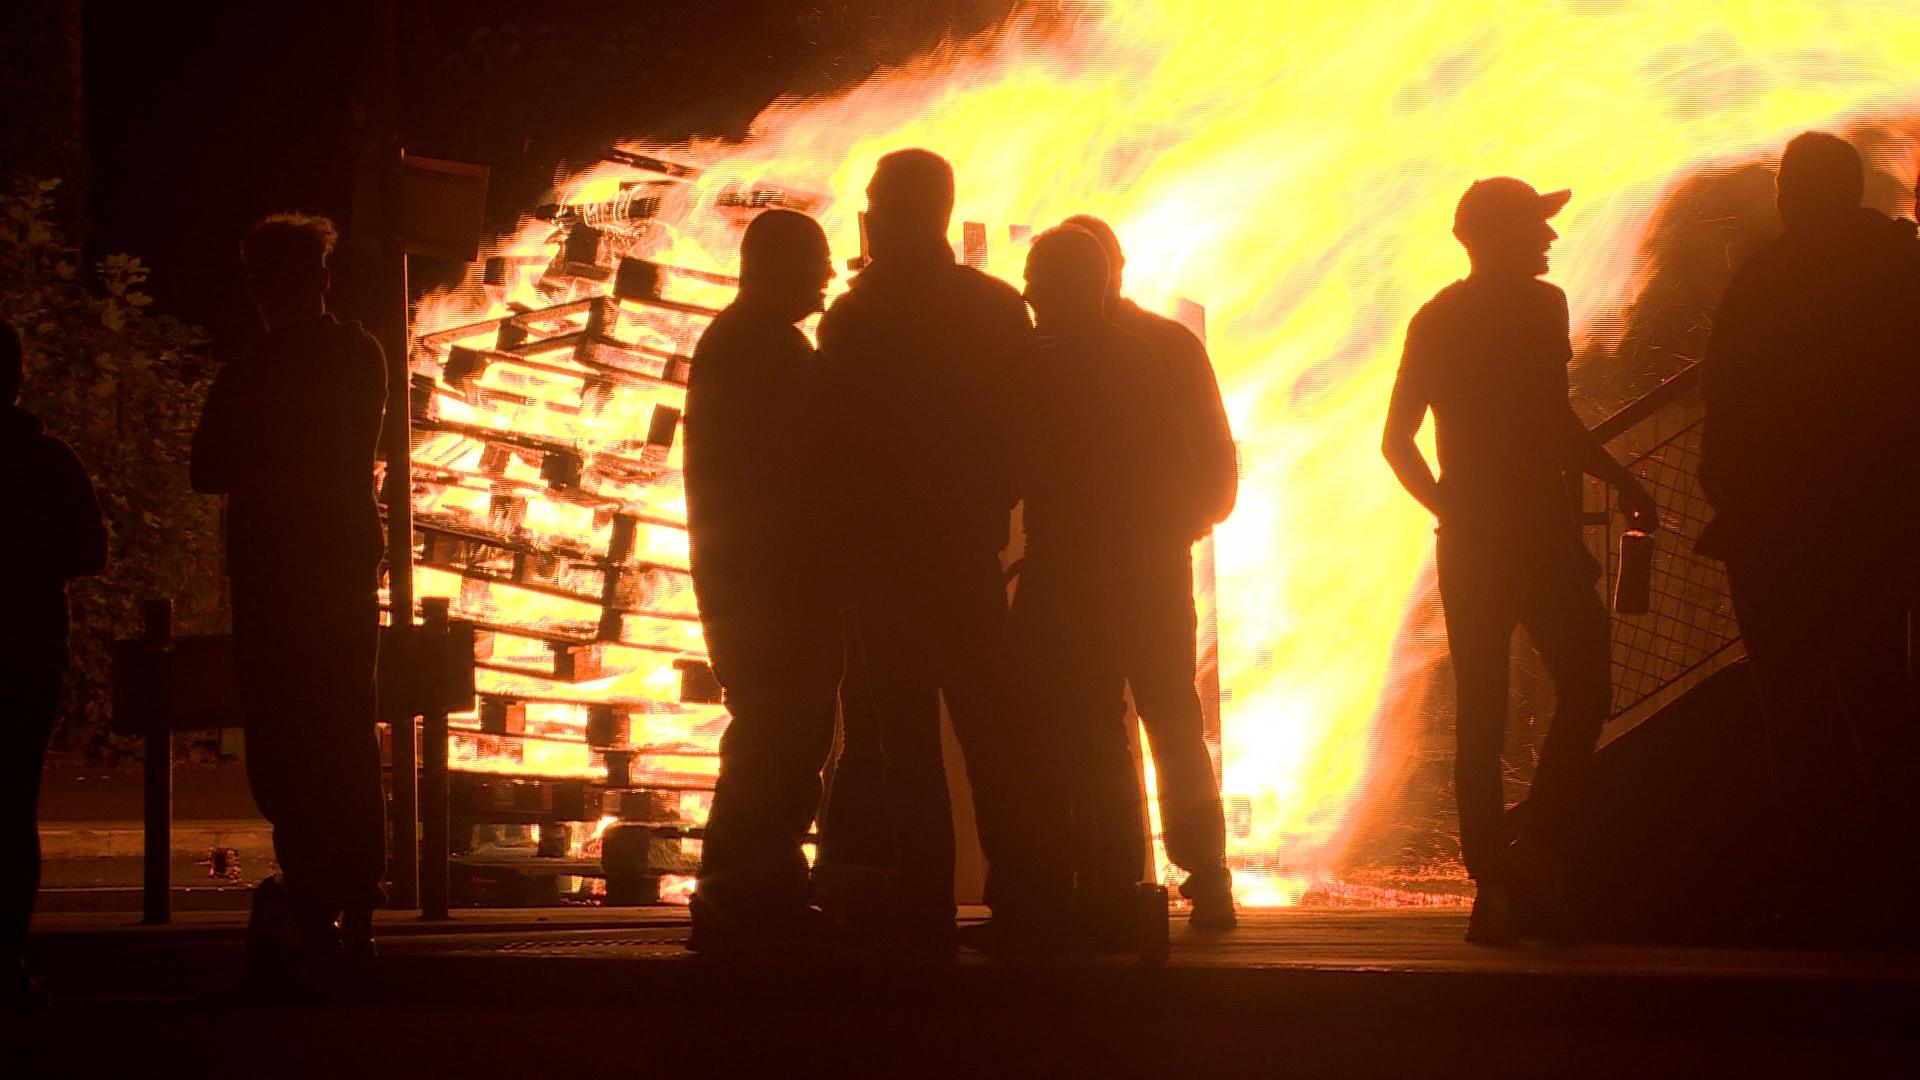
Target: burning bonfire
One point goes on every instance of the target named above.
(1291, 168)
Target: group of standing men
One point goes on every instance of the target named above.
(1812, 393)
(849, 509)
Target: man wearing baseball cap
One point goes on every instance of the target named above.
(1488, 356)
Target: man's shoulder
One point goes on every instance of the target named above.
(731, 321)
(987, 290)
(1443, 306)
(40, 449)
(350, 337)
(331, 341)
(354, 331)
(736, 329)
(1153, 327)
(1546, 292)
(1470, 299)
(850, 305)
(1142, 358)
(1777, 257)
(1130, 343)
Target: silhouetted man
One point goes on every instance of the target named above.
(57, 535)
(1488, 355)
(759, 555)
(1812, 387)
(288, 436)
(1100, 485)
(919, 363)
(1163, 656)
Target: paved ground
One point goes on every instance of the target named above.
(1363, 993)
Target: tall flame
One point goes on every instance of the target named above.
(1293, 168)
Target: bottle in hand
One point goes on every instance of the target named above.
(1633, 587)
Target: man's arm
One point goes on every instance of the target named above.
(216, 441)
(1583, 452)
(1203, 420)
(1020, 358)
(332, 415)
(83, 531)
(835, 420)
(1406, 411)
(1724, 429)
(1587, 455)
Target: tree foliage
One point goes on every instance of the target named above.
(123, 386)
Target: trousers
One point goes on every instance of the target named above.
(1828, 644)
(306, 677)
(33, 705)
(1160, 671)
(780, 671)
(920, 643)
(1486, 590)
(1070, 647)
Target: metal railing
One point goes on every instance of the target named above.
(1689, 630)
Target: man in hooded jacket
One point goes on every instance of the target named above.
(1164, 624)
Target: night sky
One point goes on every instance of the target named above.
(200, 121)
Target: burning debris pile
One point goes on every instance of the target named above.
(548, 510)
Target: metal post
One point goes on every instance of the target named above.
(157, 838)
(1206, 594)
(434, 848)
(398, 446)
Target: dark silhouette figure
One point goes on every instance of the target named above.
(920, 361)
(1100, 486)
(1812, 387)
(58, 535)
(1162, 656)
(288, 435)
(759, 545)
(1488, 355)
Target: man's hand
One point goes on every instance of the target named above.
(1638, 506)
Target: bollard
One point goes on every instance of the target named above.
(434, 826)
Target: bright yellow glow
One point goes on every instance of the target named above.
(1293, 168)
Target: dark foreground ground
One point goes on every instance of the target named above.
(593, 993)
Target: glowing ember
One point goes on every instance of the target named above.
(1291, 167)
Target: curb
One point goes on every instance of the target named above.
(125, 839)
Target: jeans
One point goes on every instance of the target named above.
(1160, 671)
(1487, 588)
(33, 695)
(919, 644)
(1828, 643)
(780, 671)
(306, 677)
(1070, 641)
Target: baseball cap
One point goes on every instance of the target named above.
(1502, 201)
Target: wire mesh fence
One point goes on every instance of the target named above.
(1689, 630)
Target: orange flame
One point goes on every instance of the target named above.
(1293, 168)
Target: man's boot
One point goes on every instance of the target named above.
(1211, 894)
(272, 942)
(1493, 921)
